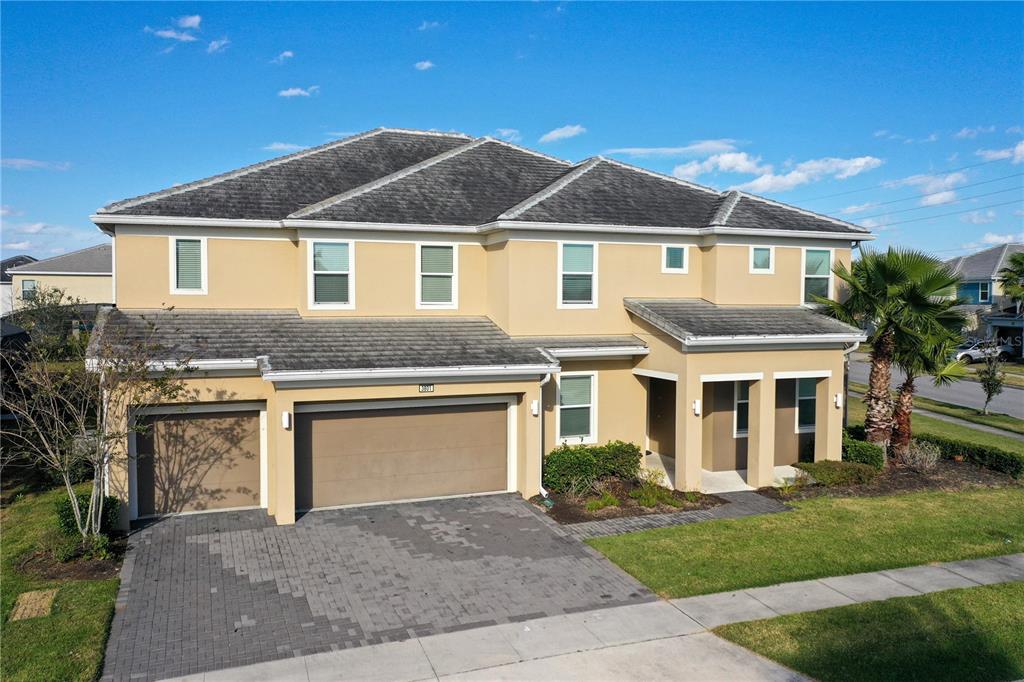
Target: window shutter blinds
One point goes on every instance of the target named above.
(575, 391)
(577, 258)
(189, 259)
(437, 260)
(329, 257)
(674, 257)
(817, 263)
(330, 288)
(762, 259)
(436, 289)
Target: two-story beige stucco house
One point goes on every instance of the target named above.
(85, 275)
(403, 315)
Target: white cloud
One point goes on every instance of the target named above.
(993, 239)
(563, 133)
(18, 246)
(1015, 153)
(971, 133)
(938, 189)
(171, 34)
(696, 148)
(729, 162)
(35, 164)
(875, 224)
(6, 211)
(38, 228)
(189, 21)
(1014, 130)
(428, 25)
(509, 134)
(217, 45)
(425, 65)
(812, 171)
(283, 147)
(979, 217)
(858, 208)
(881, 133)
(281, 58)
(299, 92)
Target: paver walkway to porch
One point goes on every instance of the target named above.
(652, 641)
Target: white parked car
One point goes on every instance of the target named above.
(976, 351)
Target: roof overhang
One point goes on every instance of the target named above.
(771, 340)
(405, 374)
(604, 353)
(52, 272)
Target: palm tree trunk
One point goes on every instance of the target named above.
(901, 432)
(878, 418)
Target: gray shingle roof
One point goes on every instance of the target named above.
(294, 343)
(686, 318)
(273, 189)
(752, 212)
(93, 259)
(556, 342)
(984, 265)
(13, 262)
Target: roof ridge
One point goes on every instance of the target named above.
(999, 261)
(837, 221)
(59, 255)
(269, 163)
(387, 179)
(550, 190)
(725, 210)
(663, 176)
(528, 150)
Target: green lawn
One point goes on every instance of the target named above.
(970, 634)
(67, 644)
(822, 536)
(997, 420)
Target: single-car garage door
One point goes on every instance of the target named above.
(359, 456)
(197, 461)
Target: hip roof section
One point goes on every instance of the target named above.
(92, 260)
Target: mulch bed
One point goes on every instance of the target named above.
(44, 564)
(574, 511)
(947, 476)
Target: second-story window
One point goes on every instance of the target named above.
(437, 279)
(332, 273)
(817, 273)
(576, 277)
(188, 272)
(673, 259)
(762, 260)
(983, 292)
(28, 289)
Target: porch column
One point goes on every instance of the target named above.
(688, 432)
(761, 433)
(828, 419)
(281, 456)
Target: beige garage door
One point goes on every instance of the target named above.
(352, 457)
(195, 462)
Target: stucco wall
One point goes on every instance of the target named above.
(88, 288)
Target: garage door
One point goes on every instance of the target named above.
(352, 457)
(197, 462)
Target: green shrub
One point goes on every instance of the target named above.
(66, 516)
(618, 458)
(983, 455)
(651, 492)
(567, 464)
(831, 473)
(857, 450)
(606, 499)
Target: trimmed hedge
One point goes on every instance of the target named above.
(829, 473)
(861, 451)
(983, 455)
(568, 463)
(66, 517)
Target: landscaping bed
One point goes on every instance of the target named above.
(572, 509)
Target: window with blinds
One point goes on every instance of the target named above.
(331, 273)
(28, 289)
(577, 274)
(806, 394)
(761, 260)
(188, 265)
(437, 275)
(741, 409)
(576, 408)
(817, 274)
(673, 259)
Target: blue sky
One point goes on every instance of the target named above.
(878, 114)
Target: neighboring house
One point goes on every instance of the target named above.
(989, 312)
(6, 288)
(404, 314)
(85, 274)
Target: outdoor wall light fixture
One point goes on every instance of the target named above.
(839, 400)
(286, 421)
(696, 408)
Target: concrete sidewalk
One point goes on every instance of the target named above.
(995, 431)
(665, 640)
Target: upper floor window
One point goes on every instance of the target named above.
(741, 409)
(674, 259)
(28, 289)
(437, 276)
(762, 260)
(332, 274)
(817, 274)
(984, 292)
(806, 395)
(576, 414)
(577, 276)
(188, 266)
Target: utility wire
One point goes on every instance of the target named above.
(943, 215)
(922, 196)
(942, 203)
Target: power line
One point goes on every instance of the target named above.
(942, 203)
(928, 194)
(943, 215)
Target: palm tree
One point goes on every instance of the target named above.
(902, 296)
(1012, 279)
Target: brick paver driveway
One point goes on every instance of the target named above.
(212, 591)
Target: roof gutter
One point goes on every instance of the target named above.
(94, 364)
(416, 373)
(598, 352)
(699, 341)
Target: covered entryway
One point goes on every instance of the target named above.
(346, 455)
(196, 461)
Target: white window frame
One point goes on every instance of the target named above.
(593, 277)
(590, 438)
(420, 305)
(664, 259)
(35, 288)
(803, 272)
(771, 261)
(172, 259)
(311, 279)
(736, 433)
(987, 298)
(796, 417)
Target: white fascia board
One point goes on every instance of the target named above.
(804, 374)
(771, 340)
(416, 373)
(609, 351)
(112, 219)
(93, 364)
(735, 376)
(30, 273)
(513, 225)
(655, 374)
(298, 223)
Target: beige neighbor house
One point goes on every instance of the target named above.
(85, 274)
(405, 315)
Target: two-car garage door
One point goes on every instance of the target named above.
(374, 455)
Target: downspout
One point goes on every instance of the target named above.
(846, 380)
(540, 414)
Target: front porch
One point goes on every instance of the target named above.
(712, 482)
